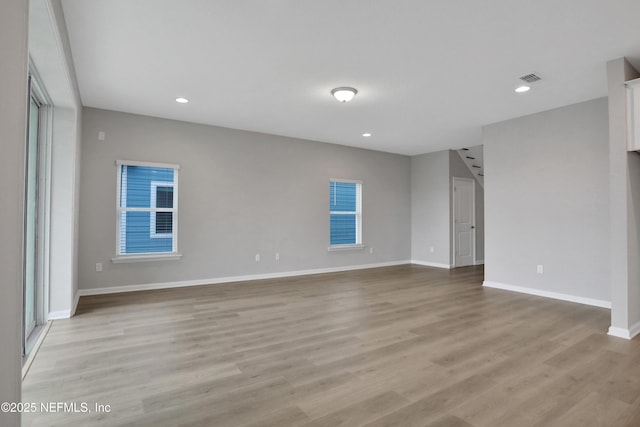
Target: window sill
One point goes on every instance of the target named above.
(345, 247)
(142, 258)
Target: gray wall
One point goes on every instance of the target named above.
(547, 201)
(459, 169)
(430, 214)
(240, 193)
(13, 87)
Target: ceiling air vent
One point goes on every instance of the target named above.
(530, 78)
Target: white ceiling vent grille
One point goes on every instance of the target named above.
(530, 78)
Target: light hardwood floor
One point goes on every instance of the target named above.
(396, 346)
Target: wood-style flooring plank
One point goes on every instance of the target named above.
(395, 346)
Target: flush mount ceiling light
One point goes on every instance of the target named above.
(366, 134)
(523, 89)
(182, 100)
(344, 94)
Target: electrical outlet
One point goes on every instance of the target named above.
(101, 136)
(98, 266)
(257, 257)
(370, 250)
(431, 249)
(540, 269)
(277, 256)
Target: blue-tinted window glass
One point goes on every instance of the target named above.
(343, 205)
(342, 196)
(343, 229)
(137, 184)
(136, 226)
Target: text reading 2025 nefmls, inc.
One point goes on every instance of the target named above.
(54, 407)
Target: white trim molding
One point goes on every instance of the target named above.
(58, 315)
(625, 333)
(548, 294)
(478, 262)
(159, 256)
(65, 314)
(431, 264)
(148, 164)
(230, 279)
(333, 248)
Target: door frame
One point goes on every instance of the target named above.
(453, 218)
(43, 211)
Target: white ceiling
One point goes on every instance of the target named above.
(430, 74)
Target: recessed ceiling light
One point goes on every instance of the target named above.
(366, 134)
(182, 100)
(523, 88)
(344, 94)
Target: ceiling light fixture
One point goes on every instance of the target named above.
(366, 134)
(523, 89)
(182, 100)
(344, 94)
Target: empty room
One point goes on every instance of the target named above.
(293, 213)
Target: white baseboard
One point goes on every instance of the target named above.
(548, 294)
(202, 282)
(60, 314)
(65, 314)
(431, 264)
(478, 262)
(625, 333)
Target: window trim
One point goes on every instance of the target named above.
(358, 213)
(120, 226)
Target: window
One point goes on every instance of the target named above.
(147, 209)
(345, 198)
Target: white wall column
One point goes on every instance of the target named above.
(50, 53)
(624, 168)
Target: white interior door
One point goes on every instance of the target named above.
(463, 221)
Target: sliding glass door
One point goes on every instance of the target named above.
(36, 214)
(31, 219)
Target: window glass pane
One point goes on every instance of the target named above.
(138, 184)
(142, 229)
(343, 229)
(164, 197)
(31, 238)
(164, 222)
(343, 196)
(137, 236)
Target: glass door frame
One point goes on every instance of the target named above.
(42, 210)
